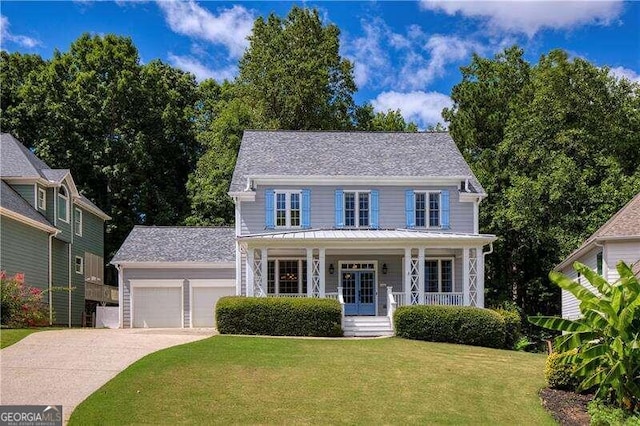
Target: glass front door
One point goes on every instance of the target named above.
(359, 292)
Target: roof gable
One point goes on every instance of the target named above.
(177, 244)
(349, 154)
(17, 160)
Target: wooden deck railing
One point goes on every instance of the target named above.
(100, 292)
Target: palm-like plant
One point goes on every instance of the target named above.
(606, 338)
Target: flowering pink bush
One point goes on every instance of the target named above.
(21, 305)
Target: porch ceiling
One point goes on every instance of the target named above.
(359, 237)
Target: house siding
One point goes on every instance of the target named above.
(60, 269)
(185, 274)
(24, 248)
(391, 214)
(570, 305)
(627, 251)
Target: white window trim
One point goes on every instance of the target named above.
(357, 208)
(81, 264)
(453, 275)
(42, 199)
(66, 201)
(77, 213)
(276, 270)
(287, 193)
(427, 209)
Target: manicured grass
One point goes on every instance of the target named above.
(9, 336)
(246, 380)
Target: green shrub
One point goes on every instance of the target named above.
(512, 325)
(452, 324)
(559, 374)
(282, 316)
(606, 415)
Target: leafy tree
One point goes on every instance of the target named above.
(606, 339)
(390, 121)
(124, 129)
(545, 141)
(293, 71)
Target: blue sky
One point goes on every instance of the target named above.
(407, 54)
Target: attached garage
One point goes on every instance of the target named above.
(173, 276)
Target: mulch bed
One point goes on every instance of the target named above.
(568, 408)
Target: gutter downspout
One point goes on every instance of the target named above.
(69, 251)
(51, 236)
(120, 294)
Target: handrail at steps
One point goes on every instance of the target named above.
(391, 303)
(341, 301)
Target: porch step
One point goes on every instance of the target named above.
(372, 326)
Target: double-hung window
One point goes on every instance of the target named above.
(287, 276)
(287, 207)
(438, 276)
(42, 199)
(427, 209)
(77, 221)
(357, 210)
(63, 204)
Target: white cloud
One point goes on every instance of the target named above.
(230, 27)
(201, 71)
(424, 108)
(529, 17)
(7, 35)
(371, 61)
(419, 70)
(622, 72)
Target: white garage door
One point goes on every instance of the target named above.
(204, 295)
(157, 307)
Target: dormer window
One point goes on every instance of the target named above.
(63, 204)
(42, 199)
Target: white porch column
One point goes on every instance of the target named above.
(309, 272)
(421, 274)
(249, 271)
(321, 261)
(263, 271)
(480, 278)
(407, 276)
(465, 276)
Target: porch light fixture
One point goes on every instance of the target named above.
(384, 268)
(331, 269)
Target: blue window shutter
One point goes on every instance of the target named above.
(339, 209)
(306, 209)
(444, 201)
(409, 206)
(268, 208)
(375, 209)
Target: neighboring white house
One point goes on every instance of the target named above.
(618, 239)
(373, 219)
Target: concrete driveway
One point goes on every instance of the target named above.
(64, 367)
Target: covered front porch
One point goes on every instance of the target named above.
(371, 272)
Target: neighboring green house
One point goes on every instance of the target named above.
(51, 233)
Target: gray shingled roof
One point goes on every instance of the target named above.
(624, 223)
(388, 154)
(54, 175)
(11, 200)
(16, 160)
(177, 244)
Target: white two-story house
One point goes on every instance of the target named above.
(379, 217)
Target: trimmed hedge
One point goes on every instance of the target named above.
(558, 374)
(513, 327)
(282, 316)
(464, 325)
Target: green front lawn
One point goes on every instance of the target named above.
(9, 336)
(246, 380)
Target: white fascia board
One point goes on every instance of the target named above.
(369, 244)
(468, 197)
(27, 221)
(80, 202)
(357, 180)
(176, 265)
(587, 247)
(29, 181)
(243, 196)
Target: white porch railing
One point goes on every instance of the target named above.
(331, 295)
(448, 299)
(399, 298)
(287, 295)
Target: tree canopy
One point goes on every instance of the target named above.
(556, 146)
